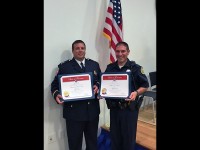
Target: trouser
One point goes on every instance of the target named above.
(123, 126)
(75, 130)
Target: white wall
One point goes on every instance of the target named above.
(66, 21)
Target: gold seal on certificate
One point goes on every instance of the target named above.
(104, 91)
(66, 93)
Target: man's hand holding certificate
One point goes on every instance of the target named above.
(76, 87)
(115, 85)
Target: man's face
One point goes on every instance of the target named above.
(79, 51)
(121, 53)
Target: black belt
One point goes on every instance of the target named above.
(119, 104)
(123, 105)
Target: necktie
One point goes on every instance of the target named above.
(83, 68)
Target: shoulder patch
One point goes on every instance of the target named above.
(142, 70)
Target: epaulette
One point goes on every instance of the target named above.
(133, 66)
(64, 62)
(132, 62)
(88, 58)
(112, 63)
(136, 66)
(111, 66)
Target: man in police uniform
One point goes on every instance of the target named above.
(124, 112)
(81, 116)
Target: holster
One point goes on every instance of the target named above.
(136, 103)
(133, 105)
(139, 101)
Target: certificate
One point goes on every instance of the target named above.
(76, 87)
(115, 85)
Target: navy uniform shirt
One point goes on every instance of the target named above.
(138, 78)
(81, 110)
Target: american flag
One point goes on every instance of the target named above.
(113, 28)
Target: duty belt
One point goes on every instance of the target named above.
(123, 105)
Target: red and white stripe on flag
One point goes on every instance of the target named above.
(113, 28)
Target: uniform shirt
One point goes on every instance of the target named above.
(79, 62)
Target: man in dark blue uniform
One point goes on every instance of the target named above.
(124, 112)
(82, 116)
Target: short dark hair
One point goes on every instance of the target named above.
(77, 41)
(122, 43)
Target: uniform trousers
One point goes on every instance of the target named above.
(75, 130)
(123, 126)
